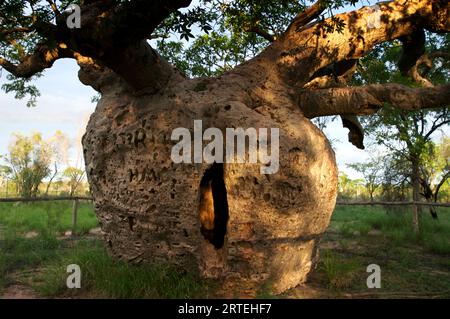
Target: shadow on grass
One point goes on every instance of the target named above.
(104, 277)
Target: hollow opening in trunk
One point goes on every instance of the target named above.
(213, 206)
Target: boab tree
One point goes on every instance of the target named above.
(227, 220)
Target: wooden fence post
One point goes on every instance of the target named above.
(74, 217)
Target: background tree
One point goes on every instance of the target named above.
(435, 171)
(349, 188)
(34, 162)
(395, 185)
(60, 145)
(407, 134)
(5, 176)
(371, 171)
(29, 160)
(75, 177)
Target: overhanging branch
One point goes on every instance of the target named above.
(300, 53)
(306, 16)
(368, 99)
(112, 34)
(262, 33)
(356, 131)
(42, 58)
(426, 62)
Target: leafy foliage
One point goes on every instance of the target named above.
(224, 32)
(29, 160)
(371, 172)
(75, 177)
(403, 132)
(205, 39)
(407, 136)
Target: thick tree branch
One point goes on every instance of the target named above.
(262, 33)
(44, 28)
(6, 32)
(439, 54)
(306, 16)
(356, 131)
(440, 184)
(425, 61)
(114, 36)
(54, 7)
(338, 75)
(313, 59)
(369, 99)
(335, 75)
(42, 58)
(413, 49)
(300, 54)
(415, 74)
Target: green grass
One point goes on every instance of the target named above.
(102, 276)
(17, 253)
(46, 217)
(396, 225)
(47, 220)
(411, 263)
(105, 277)
(360, 236)
(340, 273)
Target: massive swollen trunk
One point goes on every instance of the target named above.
(266, 228)
(149, 206)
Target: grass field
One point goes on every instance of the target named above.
(411, 265)
(34, 254)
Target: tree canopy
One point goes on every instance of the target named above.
(305, 47)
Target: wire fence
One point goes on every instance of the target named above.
(77, 199)
(339, 203)
(44, 199)
(410, 203)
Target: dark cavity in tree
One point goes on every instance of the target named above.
(213, 206)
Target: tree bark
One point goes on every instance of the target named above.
(368, 99)
(415, 179)
(428, 195)
(149, 207)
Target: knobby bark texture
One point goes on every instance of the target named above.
(151, 208)
(250, 230)
(229, 221)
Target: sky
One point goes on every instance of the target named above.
(65, 104)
